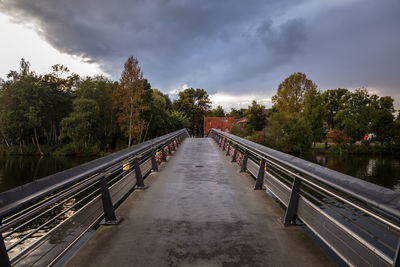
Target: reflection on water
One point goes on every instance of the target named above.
(19, 170)
(383, 170)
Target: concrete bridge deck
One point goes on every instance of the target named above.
(200, 211)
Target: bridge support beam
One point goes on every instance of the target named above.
(223, 144)
(291, 211)
(260, 176)
(108, 208)
(244, 163)
(139, 178)
(235, 153)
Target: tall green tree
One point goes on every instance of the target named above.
(177, 120)
(157, 118)
(81, 125)
(355, 118)
(314, 113)
(100, 89)
(238, 113)
(334, 100)
(290, 95)
(194, 103)
(383, 120)
(256, 117)
(217, 112)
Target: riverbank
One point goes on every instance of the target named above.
(57, 150)
(355, 149)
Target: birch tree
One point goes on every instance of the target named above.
(128, 101)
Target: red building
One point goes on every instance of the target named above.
(220, 123)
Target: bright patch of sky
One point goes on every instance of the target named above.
(22, 41)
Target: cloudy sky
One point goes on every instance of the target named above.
(236, 50)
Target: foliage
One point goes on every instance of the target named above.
(238, 113)
(337, 137)
(194, 103)
(256, 117)
(177, 120)
(334, 100)
(290, 95)
(100, 89)
(236, 130)
(313, 113)
(217, 112)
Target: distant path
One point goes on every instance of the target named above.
(200, 211)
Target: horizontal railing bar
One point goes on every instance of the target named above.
(68, 194)
(52, 219)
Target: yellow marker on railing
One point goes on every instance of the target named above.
(126, 166)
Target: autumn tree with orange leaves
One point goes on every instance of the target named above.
(128, 101)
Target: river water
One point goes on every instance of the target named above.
(19, 170)
(383, 170)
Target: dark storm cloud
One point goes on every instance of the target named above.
(175, 41)
(228, 46)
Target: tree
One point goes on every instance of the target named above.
(177, 120)
(157, 122)
(290, 95)
(128, 101)
(355, 118)
(334, 100)
(100, 89)
(194, 103)
(299, 135)
(81, 124)
(217, 112)
(383, 123)
(256, 117)
(313, 113)
(238, 113)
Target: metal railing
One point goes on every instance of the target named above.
(358, 220)
(42, 220)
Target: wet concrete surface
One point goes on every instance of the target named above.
(200, 211)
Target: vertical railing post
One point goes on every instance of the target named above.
(396, 260)
(4, 259)
(173, 145)
(244, 163)
(169, 148)
(219, 141)
(235, 153)
(163, 154)
(139, 178)
(260, 176)
(229, 148)
(108, 208)
(291, 211)
(154, 165)
(223, 144)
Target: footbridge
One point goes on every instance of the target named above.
(215, 201)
